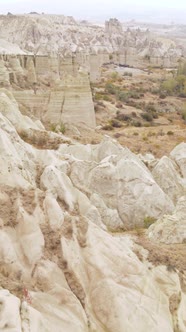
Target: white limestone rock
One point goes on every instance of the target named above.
(60, 184)
(178, 154)
(9, 312)
(54, 213)
(171, 228)
(128, 187)
(166, 174)
(16, 158)
(119, 286)
(29, 233)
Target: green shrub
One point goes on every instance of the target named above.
(98, 96)
(107, 127)
(115, 123)
(62, 128)
(134, 95)
(122, 96)
(106, 98)
(147, 116)
(123, 117)
(148, 221)
(111, 88)
(136, 123)
(126, 73)
(150, 107)
(162, 95)
(170, 133)
(53, 127)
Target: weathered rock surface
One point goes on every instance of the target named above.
(61, 267)
(171, 228)
(59, 35)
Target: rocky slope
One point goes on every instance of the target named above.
(69, 260)
(59, 35)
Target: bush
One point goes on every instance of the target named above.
(115, 123)
(155, 115)
(126, 73)
(106, 98)
(62, 128)
(111, 88)
(119, 105)
(162, 95)
(98, 96)
(134, 95)
(170, 133)
(184, 115)
(122, 96)
(147, 116)
(136, 123)
(148, 221)
(101, 104)
(123, 117)
(107, 127)
(150, 107)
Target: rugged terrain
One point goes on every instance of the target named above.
(65, 221)
(92, 204)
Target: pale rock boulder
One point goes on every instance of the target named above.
(149, 160)
(171, 286)
(50, 157)
(29, 233)
(166, 174)
(9, 108)
(89, 210)
(124, 285)
(127, 186)
(108, 147)
(16, 158)
(79, 151)
(109, 217)
(53, 212)
(9, 312)
(123, 183)
(171, 228)
(7, 251)
(64, 318)
(60, 184)
(31, 319)
(51, 278)
(178, 154)
(80, 174)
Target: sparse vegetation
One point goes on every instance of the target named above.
(62, 128)
(148, 221)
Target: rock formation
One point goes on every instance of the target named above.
(62, 267)
(63, 36)
(51, 93)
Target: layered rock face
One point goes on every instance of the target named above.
(62, 267)
(50, 92)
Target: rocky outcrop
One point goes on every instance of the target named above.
(61, 266)
(113, 26)
(171, 228)
(53, 36)
(66, 97)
